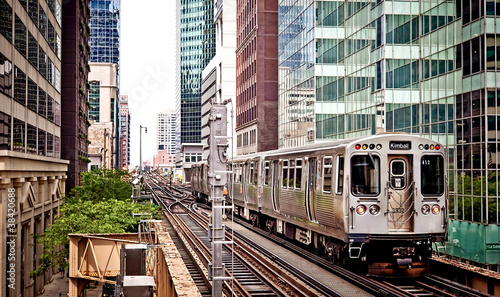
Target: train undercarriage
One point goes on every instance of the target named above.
(373, 257)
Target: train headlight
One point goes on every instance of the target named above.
(426, 146)
(436, 209)
(358, 146)
(374, 209)
(365, 146)
(432, 147)
(379, 146)
(426, 209)
(437, 147)
(372, 146)
(361, 209)
(421, 146)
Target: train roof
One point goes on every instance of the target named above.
(324, 145)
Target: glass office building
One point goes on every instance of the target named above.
(104, 31)
(197, 47)
(429, 67)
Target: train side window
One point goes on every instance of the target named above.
(327, 174)
(267, 176)
(251, 172)
(339, 188)
(284, 177)
(256, 174)
(298, 174)
(291, 173)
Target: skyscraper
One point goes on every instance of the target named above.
(350, 69)
(105, 31)
(165, 137)
(197, 47)
(33, 174)
(257, 76)
(124, 132)
(74, 129)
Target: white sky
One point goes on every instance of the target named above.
(147, 67)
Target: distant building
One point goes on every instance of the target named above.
(163, 161)
(165, 133)
(124, 132)
(101, 148)
(256, 76)
(219, 77)
(196, 49)
(33, 174)
(103, 101)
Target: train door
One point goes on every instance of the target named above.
(400, 198)
(275, 185)
(244, 182)
(310, 189)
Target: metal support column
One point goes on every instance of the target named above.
(217, 177)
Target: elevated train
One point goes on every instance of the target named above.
(376, 203)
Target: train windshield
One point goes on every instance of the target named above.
(432, 175)
(365, 175)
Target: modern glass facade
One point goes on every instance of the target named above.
(95, 101)
(355, 68)
(104, 31)
(197, 47)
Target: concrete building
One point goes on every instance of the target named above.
(349, 69)
(165, 132)
(103, 101)
(196, 49)
(256, 76)
(74, 92)
(101, 149)
(219, 77)
(124, 133)
(32, 173)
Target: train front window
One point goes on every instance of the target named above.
(365, 175)
(432, 175)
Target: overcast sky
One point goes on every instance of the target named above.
(147, 65)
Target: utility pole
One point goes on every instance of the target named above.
(217, 178)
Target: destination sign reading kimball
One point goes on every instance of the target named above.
(400, 145)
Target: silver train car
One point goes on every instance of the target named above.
(376, 203)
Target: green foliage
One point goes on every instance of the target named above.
(101, 205)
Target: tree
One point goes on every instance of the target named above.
(101, 205)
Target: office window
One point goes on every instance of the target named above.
(42, 62)
(32, 95)
(50, 145)
(6, 20)
(51, 36)
(20, 36)
(41, 142)
(50, 108)
(33, 10)
(57, 147)
(42, 102)
(19, 86)
(31, 140)
(5, 76)
(57, 113)
(4, 131)
(32, 51)
(42, 22)
(19, 135)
